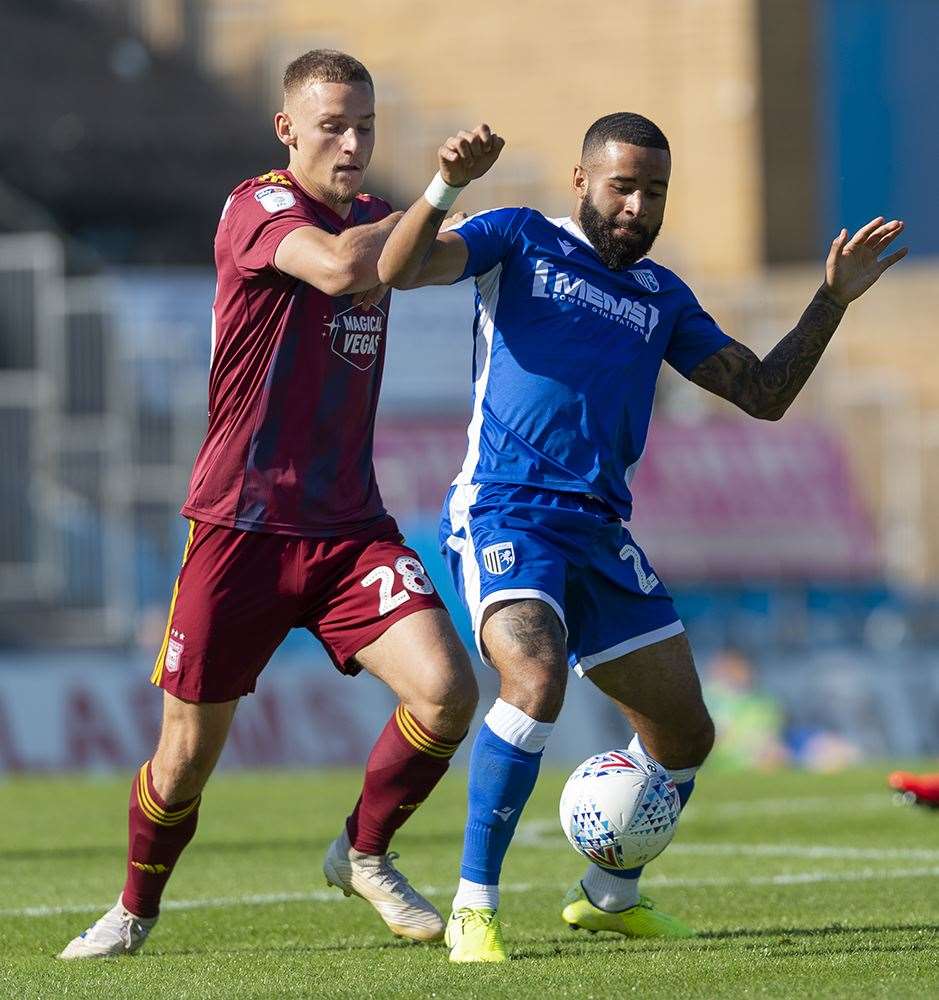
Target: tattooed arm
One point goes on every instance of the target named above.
(766, 388)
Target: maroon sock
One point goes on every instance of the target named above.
(157, 834)
(405, 764)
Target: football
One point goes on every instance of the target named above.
(619, 809)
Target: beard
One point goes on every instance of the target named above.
(618, 247)
(345, 187)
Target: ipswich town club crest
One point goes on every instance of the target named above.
(499, 558)
(647, 279)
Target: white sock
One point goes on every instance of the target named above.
(608, 891)
(475, 896)
(678, 774)
(515, 727)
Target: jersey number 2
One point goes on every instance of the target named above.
(413, 576)
(647, 581)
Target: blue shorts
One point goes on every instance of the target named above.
(569, 550)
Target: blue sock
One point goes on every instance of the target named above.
(684, 789)
(501, 778)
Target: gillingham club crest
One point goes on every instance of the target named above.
(647, 279)
(499, 558)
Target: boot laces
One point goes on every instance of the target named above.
(468, 916)
(389, 878)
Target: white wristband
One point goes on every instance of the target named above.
(440, 194)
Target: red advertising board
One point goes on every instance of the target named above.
(721, 498)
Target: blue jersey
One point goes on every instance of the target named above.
(567, 353)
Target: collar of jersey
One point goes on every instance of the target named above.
(326, 214)
(570, 226)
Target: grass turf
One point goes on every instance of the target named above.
(801, 886)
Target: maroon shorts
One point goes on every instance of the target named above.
(239, 593)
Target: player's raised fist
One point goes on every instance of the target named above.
(468, 155)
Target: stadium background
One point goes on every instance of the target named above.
(804, 556)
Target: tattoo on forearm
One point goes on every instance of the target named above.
(766, 388)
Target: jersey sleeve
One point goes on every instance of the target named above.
(488, 237)
(258, 219)
(696, 337)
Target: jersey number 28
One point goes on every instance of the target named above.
(413, 576)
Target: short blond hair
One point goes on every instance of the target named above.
(325, 66)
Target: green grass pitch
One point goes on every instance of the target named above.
(801, 885)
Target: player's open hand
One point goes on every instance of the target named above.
(468, 155)
(854, 264)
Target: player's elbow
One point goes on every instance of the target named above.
(329, 274)
(387, 274)
(772, 413)
(395, 274)
(337, 278)
(763, 409)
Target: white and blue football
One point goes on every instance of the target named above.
(619, 809)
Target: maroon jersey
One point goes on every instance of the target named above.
(295, 376)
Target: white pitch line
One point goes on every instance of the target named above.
(661, 881)
(217, 902)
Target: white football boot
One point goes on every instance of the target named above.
(375, 879)
(118, 932)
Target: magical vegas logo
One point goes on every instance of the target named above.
(356, 335)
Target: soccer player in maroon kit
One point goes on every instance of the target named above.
(917, 789)
(286, 525)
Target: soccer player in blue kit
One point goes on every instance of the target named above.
(572, 324)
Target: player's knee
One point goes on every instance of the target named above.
(458, 699)
(466, 698)
(700, 741)
(447, 703)
(178, 777)
(707, 738)
(537, 688)
(549, 694)
(683, 742)
(181, 767)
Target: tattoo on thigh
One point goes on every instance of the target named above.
(532, 626)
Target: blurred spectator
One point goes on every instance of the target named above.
(749, 722)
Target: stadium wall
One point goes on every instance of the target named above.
(100, 713)
(539, 72)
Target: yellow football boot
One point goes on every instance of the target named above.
(475, 936)
(640, 921)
